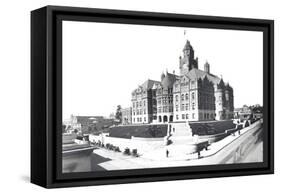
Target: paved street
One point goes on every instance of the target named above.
(246, 147)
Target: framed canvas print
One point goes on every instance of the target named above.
(124, 96)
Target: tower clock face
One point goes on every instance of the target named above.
(186, 52)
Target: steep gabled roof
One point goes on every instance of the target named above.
(148, 84)
(168, 80)
(197, 73)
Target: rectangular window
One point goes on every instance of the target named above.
(186, 116)
(183, 116)
(193, 115)
(177, 108)
(182, 107)
(192, 96)
(186, 96)
(192, 84)
(144, 119)
(186, 107)
(159, 110)
(193, 106)
(177, 117)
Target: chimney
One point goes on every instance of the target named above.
(207, 67)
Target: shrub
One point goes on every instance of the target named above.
(111, 147)
(135, 152)
(127, 151)
(116, 149)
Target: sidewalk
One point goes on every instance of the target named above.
(177, 156)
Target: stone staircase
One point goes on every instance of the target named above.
(179, 133)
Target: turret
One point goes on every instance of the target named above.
(207, 67)
(187, 61)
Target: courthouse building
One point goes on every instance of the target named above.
(193, 95)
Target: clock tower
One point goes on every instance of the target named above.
(187, 61)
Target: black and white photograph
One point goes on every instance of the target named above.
(147, 96)
(136, 97)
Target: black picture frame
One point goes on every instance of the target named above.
(46, 96)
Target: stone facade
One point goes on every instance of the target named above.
(194, 95)
(126, 116)
(144, 102)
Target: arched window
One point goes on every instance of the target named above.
(186, 107)
(182, 107)
(177, 98)
(186, 96)
(183, 116)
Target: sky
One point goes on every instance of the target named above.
(103, 63)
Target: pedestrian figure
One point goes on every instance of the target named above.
(167, 153)
(198, 154)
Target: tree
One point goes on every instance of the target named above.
(118, 114)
